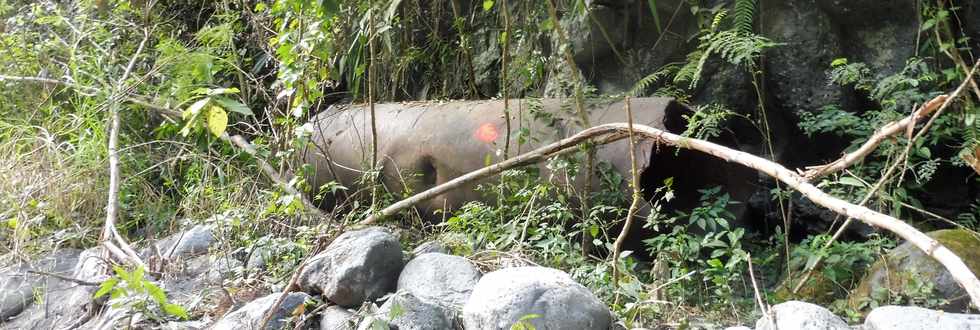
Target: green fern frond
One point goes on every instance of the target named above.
(719, 17)
(706, 121)
(690, 70)
(733, 47)
(656, 76)
(740, 49)
(744, 15)
(674, 92)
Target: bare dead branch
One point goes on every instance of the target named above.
(528, 158)
(109, 232)
(960, 272)
(937, 104)
(891, 169)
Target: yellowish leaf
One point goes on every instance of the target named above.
(217, 120)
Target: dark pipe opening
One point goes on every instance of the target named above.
(691, 171)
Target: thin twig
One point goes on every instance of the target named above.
(755, 288)
(64, 278)
(294, 279)
(634, 205)
(884, 133)
(290, 287)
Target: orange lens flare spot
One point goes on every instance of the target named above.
(487, 133)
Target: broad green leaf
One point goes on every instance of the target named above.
(850, 181)
(122, 273)
(925, 152)
(233, 106)
(217, 120)
(156, 293)
(175, 310)
(487, 5)
(12, 223)
(106, 286)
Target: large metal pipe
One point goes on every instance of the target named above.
(423, 144)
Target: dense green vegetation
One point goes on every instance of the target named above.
(198, 71)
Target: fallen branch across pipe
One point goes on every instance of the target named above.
(611, 132)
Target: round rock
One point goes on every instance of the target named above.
(503, 297)
(251, 315)
(918, 318)
(358, 266)
(443, 278)
(802, 316)
(405, 311)
(337, 318)
(906, 264)
(193, 242)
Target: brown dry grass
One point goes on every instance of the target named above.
(43, 190)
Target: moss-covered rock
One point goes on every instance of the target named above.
(908, 276)
(819, 289)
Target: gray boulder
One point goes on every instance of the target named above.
(917, 318)
(250, 316)
(443, 278)
(405, 311)
(358, 266)
(192, 242)
(337, 318)
(45, 302)
(906, 265)
(503, 297)
(802, 316)
(15, 295)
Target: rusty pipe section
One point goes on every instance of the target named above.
(423, 144)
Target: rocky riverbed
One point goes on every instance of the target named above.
(365, 279)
